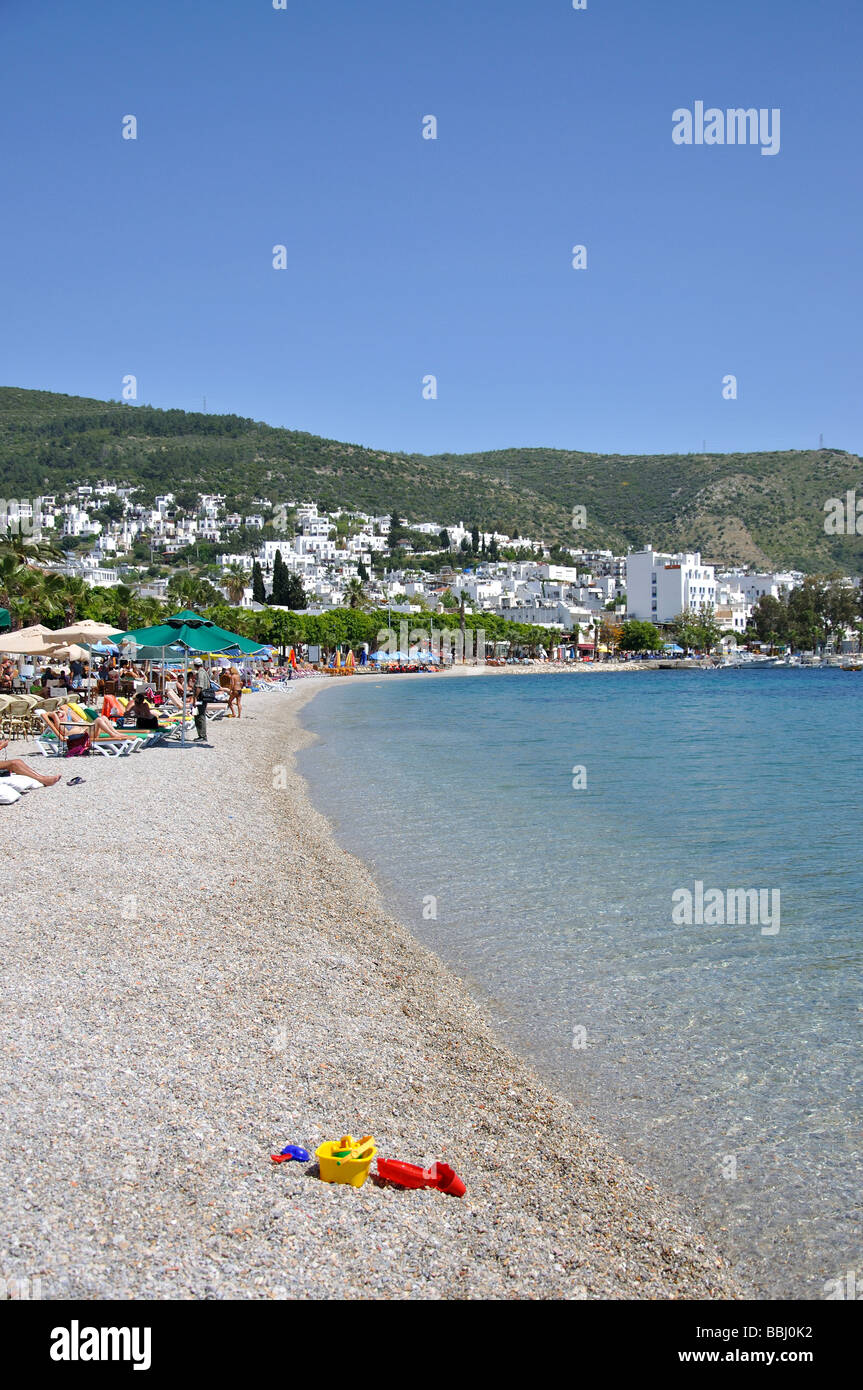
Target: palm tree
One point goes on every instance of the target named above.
(150, 611)
(28, 552)
(25, 603)
(11, 570)
(51, 591)
(234, 582)
(118, 606)
(124, 599)
(181, 587)
(355, 593)
(74, 597)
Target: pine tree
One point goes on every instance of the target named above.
(295, 594)
(474, 539)
(280, 576)
(259, 593)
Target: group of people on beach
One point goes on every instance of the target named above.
(192, 691)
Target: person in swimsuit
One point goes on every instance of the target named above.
(235, 693)
(22, 769)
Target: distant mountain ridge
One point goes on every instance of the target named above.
(765, 509)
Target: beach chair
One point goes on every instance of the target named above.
(167, 733)
(15, 715)
(49, 706)
(50, 746)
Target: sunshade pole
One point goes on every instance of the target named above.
(185, 682)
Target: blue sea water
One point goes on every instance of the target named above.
(723, 1061)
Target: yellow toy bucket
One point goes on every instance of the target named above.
(346, 1159)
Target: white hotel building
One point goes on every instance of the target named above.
(659, 587)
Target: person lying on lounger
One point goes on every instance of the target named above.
(174, 692)
(64, 721)
(141, 712)
(10, 765)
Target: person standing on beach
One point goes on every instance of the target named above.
(201, 688)
(235, 692)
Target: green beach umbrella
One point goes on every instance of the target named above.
(188, 631)
(5, 619)
(220, 634)
(194, 639)
(197, 634)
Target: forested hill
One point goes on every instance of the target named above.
(750, 508)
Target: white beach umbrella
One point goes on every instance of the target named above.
(84, 633)
(69, 652)
(28, 641)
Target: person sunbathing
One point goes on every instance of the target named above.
(64, 721)
(140, 710)
(174, 694)
(22, 769)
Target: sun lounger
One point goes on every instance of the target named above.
(49, 745)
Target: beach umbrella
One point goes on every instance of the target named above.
(5, 619)
(70, 652)
(28, 641)
(84, 633)
(236, 651)
(188, 632)
(220, 635)
(201, 635)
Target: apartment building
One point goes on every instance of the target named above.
(659, 586)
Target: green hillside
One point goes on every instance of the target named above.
(748, 508)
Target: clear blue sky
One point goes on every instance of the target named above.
(453, 257)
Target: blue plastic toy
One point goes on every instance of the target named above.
(292, 1151)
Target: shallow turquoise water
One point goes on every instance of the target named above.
(723, 1061)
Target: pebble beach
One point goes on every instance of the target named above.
(195, 975)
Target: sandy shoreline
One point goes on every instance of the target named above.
(195, 975)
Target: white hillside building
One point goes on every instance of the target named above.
(659, 586)
(755, 586)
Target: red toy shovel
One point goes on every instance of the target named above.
(439, 1175)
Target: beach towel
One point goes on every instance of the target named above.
(78, 745)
